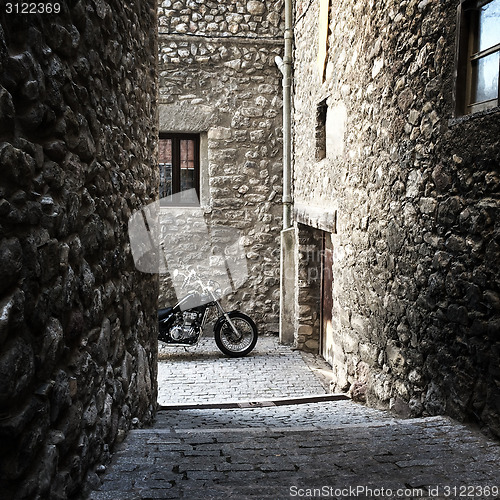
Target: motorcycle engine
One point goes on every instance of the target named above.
(185, 327)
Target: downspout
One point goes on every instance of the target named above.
(285, 66)
(287, 264)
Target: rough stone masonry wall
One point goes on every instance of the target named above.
(247, 18)
(416, 254)
(218, 78)
(308, 317)
(77, 321)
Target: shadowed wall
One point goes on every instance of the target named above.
(77, 321)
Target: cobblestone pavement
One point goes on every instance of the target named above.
(329, 449)
(204, 374)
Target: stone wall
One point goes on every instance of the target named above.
(307, 321)
(77, 321)
(218, 78)
(416, 193)
(245, 19)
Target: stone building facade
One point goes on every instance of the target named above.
(398, 197)
(218, 80)
(78, 323)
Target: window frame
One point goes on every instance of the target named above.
(176, 139)
(467, 35)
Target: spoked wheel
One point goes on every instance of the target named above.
(235, 344)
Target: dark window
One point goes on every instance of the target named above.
(478, 56)
(321, 111)
(179, 159)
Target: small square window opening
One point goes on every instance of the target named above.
(478, 61)
(179, 163)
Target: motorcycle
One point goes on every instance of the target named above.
(185, 323)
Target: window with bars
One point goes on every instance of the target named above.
(478, 62)
(179, 162)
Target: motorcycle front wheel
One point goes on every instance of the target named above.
(232, 344)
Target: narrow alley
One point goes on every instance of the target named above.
(331, 448)
(332, 168)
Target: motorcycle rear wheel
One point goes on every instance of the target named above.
(231, 344)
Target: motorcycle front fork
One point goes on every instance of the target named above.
(226, 315)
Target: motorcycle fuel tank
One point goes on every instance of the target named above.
(191, 301)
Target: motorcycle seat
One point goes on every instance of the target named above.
(163, 313)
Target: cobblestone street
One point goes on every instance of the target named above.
(204, 374)
(329, 449)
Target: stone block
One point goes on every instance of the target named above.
(360, 325)
(305, 330)
(11, 262)
(219, 133)
(350, 341)
(255, 7)
(52, 346)
(17, 369)
(369, 353)
(7, 306)
(395, 357)
(311, 345)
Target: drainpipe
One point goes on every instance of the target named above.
(285, 66)
(287, 264)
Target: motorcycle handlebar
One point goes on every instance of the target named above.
(188, 278)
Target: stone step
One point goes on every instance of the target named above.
(415, 458)
(261, 403)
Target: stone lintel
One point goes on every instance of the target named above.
(324, 218)
(182, 116)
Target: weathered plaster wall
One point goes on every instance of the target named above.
(77, 321)
(218, 78)
(416, 250)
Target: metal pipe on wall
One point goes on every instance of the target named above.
(285, 66)
(287, 264)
